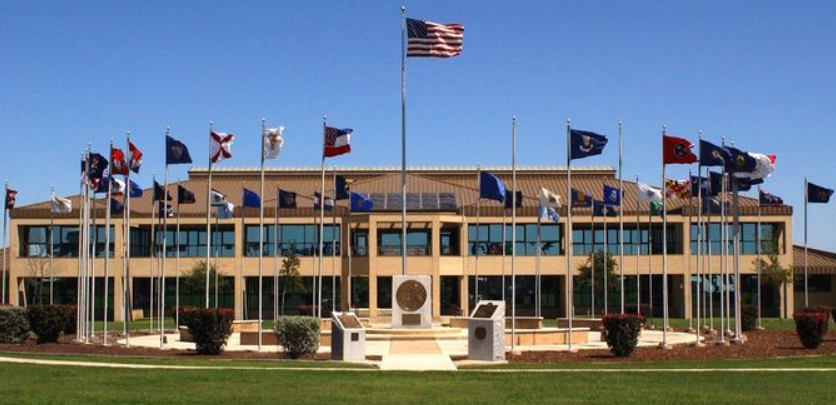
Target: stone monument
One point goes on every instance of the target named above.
(411, 302)
(348, 337)
(486, 332)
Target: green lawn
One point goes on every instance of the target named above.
(35, 384)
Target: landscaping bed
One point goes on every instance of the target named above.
(760, 344)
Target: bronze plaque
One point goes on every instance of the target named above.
(480, 333)
(411, 319)
(350, 322)
(411, 296)
(485, 310)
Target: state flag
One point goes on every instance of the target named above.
(287, 199)
(329, 203)
(135, 190)
(581, 199)
(548, 214)
(184, 196)
(136, 156)
(818, 194)
(549, 199)
(116, 206)
(220, 146)
(361, 202)
(336, 141)
(342, 187)
(657, 208)
(677, 151)
(226, 210)
(647, 194)
(217, 198)
(491, 187)
(160, 193)
(176, 153)
(600, 209)
(740, 161)
(61, 205)
(585, 143)
(713, 155)
(767, 198)
(251, 199)
(510, 199)
(118, 165)
(612, 195)
(678, 188)
(273, 142)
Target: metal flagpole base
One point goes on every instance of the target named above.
(664, 346)
(722, 343)
(739, 340)
(572, 350)
(697, 344)
(760, 328)
(690, 330)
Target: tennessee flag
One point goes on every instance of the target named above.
(677, 151)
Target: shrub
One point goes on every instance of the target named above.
(70, 313)
(298, 334)
(623, 332)
(811, 327)
(185, 314)
(14, 325)
(821, 309)
(47, 321)
(749, 317)
(210, 329)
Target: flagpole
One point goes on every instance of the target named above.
(79, 284)
(261, 241)
(177, 265)
(738, 330)
(126, 283)
(638, 255)
(276, 247)
(93, 265)
(708, 261)
(318, 298)
(152, 255)
(723, 249)
(51, 248)
(570, 301)
(594, 266)
(209, 219)
(107, 248)
(806, 198)
(690, 204)
(621, 213)
(537, 268)
(606, 265)
(164, 258)
(513, 232)
(85, 240)
(664, 344)
(5, 266)
(758, 252)
(334, 246)
(403, 140)
(700, 286)
(504, 232)
(476, 251)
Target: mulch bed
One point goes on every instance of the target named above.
(759, 344)
(67, 345)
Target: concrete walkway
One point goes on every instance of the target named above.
(418, 355)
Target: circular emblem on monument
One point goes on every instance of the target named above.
(411, 295)
(480, 333)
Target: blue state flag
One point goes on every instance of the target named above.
(328, 203)
(176, 152)
(740, 161)
(135, 190)
(585, 143)
(548, 214)
(612, 195)
(116, 206)
(287, 199)
(510, 199)
(251, 199)
(342, 188)
(491, 187)
(713, 155)
(767, 198)
(581, 199)
(599, 209)
(818, 194)
(361, 202)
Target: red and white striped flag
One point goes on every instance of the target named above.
(430, 40)
(336, 141)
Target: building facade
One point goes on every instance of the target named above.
(452, 236)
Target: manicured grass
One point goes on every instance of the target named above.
(35, 384)
(812, 361)
(200, 361)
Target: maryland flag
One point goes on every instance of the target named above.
(678, 188)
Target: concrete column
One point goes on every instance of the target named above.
(345, 282)
(238, 284)
(372, 268)
(435, 249)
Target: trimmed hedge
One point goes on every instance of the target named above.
(210, 329)
(623, 332)
(749, 317)
(299, 335)
(821, 309)
(185, 314)
(811, 327)
(70, 318)
(47, 321)
(14, 325)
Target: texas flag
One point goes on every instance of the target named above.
(336, 141)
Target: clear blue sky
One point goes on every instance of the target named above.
(759, 73)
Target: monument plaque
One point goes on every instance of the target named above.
(486, 332)
(348, 337)
(411, 302)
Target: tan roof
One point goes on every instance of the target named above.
(462, 181)
(818, 261)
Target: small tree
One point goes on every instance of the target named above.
(292, 281)
(772, 272)
(596, 261)
(195, 278)
(36, 267)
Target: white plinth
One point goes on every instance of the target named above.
(348, 342)
(418, 317)
(486, 336)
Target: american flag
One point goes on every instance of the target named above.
(431, 40)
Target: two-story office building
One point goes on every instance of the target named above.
(447, 239)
